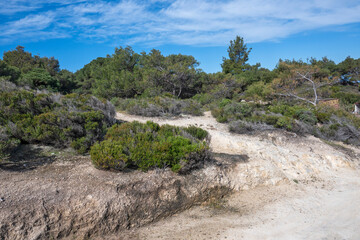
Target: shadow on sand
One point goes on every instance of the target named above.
(231, 158)
(26, 157)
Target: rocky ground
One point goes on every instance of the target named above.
(282, 186)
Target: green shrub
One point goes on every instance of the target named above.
(347, 98)
(224, 102)
(191, 107)
(270, 119)
(323, 114)
(235, 111)
(334, 126)
(204, 98)
(149, 145)
(196, 132)
(109, 155)
(228, 110)
(306, 116)
(328, 131)
(285, 122)
(222, 119)
(258, 91)
(240, 127)
(81, 145)
(217, 112)
(287, 110)
(53, 119)
(158, 106)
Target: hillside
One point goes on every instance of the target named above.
(67, 198)
(131, 140)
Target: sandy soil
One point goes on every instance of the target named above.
(322, 205)
(323, 210)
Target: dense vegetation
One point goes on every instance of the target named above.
(28, 116)
(41, 103)
(149, 145)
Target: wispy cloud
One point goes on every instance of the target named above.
(188, 22)
(18, 6)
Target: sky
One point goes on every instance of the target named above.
(76, 31)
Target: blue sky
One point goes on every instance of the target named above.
(77, 31)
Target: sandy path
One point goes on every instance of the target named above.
(326, 210)
(324, 204)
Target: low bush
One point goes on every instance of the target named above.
(335, 124)
(306, 116)
(270, 119)
(227, 110)
(258, 91)
(288, 110)
(204, 98)
(196, 132)
(147, 146)
(246, 127)
(218, 113)
(285, 122)
(241, 127)
(191, 107)
(54, 119)
(236, 111)
(346, 98)
(323, 114)
(158, 106)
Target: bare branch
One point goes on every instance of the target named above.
(297, 97)
(313, 86)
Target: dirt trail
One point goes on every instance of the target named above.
(300, 188)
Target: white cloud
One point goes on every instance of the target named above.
(31, 23)
(189, 22)
(8, 7)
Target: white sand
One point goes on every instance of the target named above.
(324, 204)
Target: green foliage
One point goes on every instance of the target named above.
(327, 131)
(258, 91)
(347, 98)
(39, 78)
(109, 155)
(126, 74)
(349, 69)
(8, 72)
(224, 102)
(158, 106)
(203, 99)
(54, 119)
(151, 84)
(218, 113)
(191, 107)
(149, 145)
(24, 69)
(270, 119)
(240, 127)
(196, 132)
(26, 62)
(306, 116)
(238, 56)
(174, 74)
(66, 81)
(323, 114)
(285, 122)
(228, 110)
